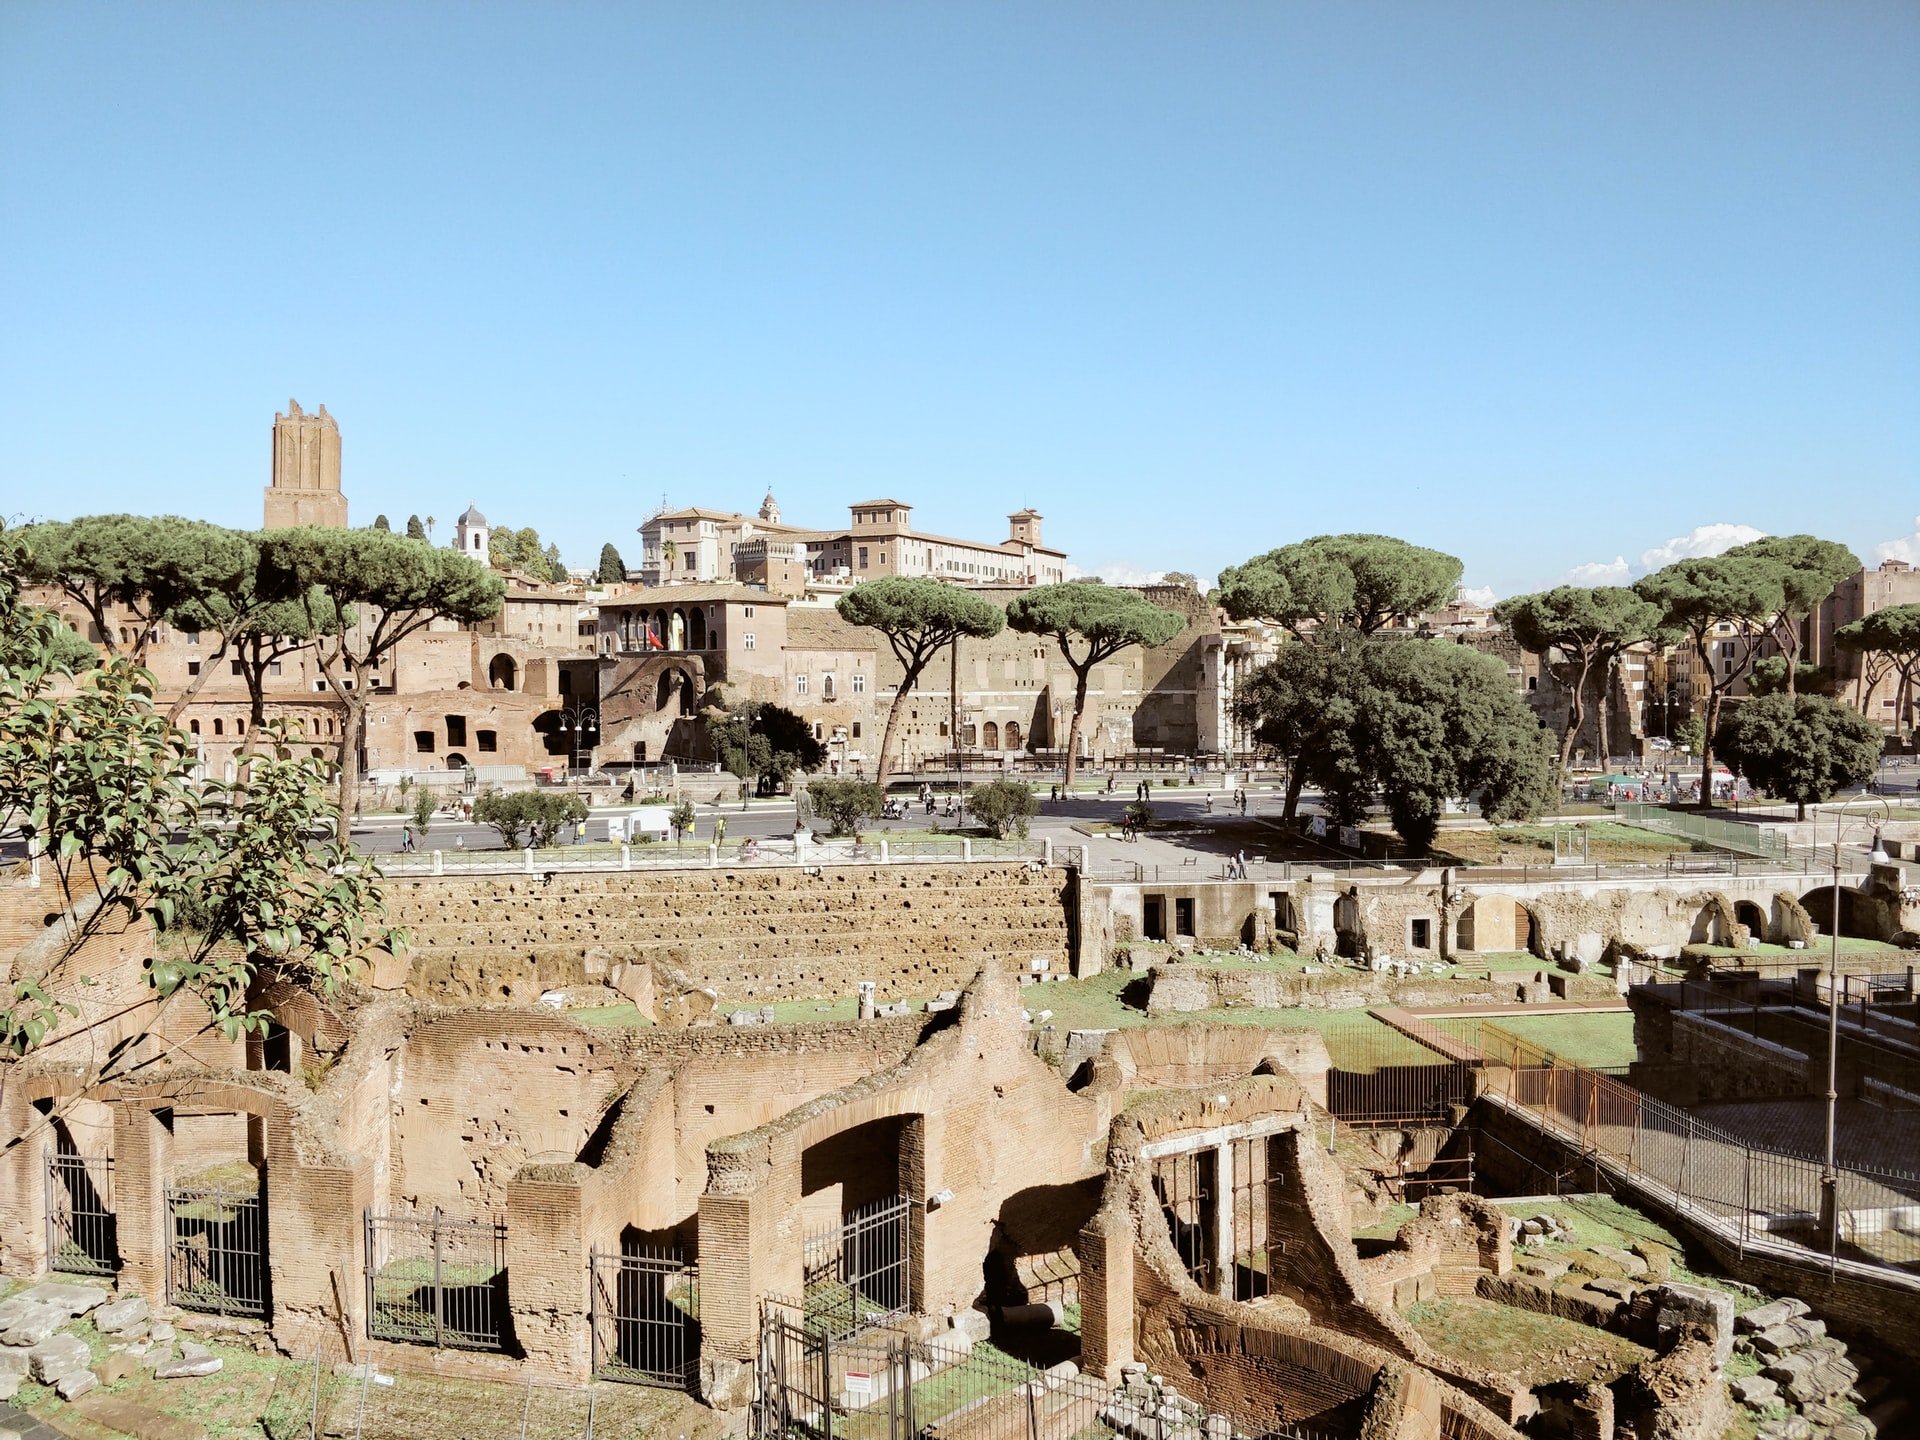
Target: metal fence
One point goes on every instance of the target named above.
(436, 1281)
(859, 1274)
(217, 1261)
(703, 855)
(646, 1317)
(1382, 1077)
(1751, 1196)
(1740, 835)
(890, 1387)
(81, 1234)
(1196, 1201)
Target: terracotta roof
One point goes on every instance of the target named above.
(666, 597)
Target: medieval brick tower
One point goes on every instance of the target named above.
(306, 471)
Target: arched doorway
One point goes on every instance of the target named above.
(456, 762)
(674, 683)
(1751, 916)
(989, 736)
(502, 672)
(697, 629)
(1013, 734)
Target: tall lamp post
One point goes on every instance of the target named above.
(580, 721)
(1829, 1174)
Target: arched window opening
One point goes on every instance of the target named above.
(989, 736)
(502, 673)
(1013, 735)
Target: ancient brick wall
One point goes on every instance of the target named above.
(752, 935)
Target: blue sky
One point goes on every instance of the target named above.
(1545, 285)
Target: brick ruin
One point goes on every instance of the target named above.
(1167, 1180)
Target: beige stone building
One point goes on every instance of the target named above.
(1007, 699)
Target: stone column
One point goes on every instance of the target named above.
(547, 1244)
(142, 1167)
(1105, 1249)
(751, 1247)
(1223, 1270)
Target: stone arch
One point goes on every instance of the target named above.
(1013, 734)
(1747, 913)
(502, 672)
(697, 628)
(456, 762)
(1713, 922)
(989, 736)
(677, 630)
(674, 682)
(1818, 907)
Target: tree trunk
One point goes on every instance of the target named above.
(1296, 778)
(1073, 725)
(886, 735)
(1603, 713)
(1576, 713)
(352, 737)
(1712, 719)
(186, 696)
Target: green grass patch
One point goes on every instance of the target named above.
(1597, 1039)
(1535, 1348)
(1389, 1224)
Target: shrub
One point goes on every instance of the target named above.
(542, 813)
(1003, 806)
(843, 804)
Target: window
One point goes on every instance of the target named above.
(799, 684)
(193, 726)
(238, 668)
(193, 667)
(219, 727)
(943, 728)
(819, 731)
(968, 736)
(423, 741)
(193, 636)
(883, 557)
(746, 641)
(859, 682)
(320, 687)
(456, 730)
(747, 610)
(487, 740)
(863, 557)
(826, 686)
(239, 727)
(690, 561)
(1420, 934)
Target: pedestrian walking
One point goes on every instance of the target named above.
(1109, 784)
(719, 829)
(406, 840)
(580, 833)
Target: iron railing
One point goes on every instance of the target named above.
(646, 1317)
(1751, 1197)
(432, 1280)
(217, 1262)
(81, 1234)
(889, 1387)
(702, 855)
(859, 1273)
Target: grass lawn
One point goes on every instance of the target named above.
(1609, 843)
(1597, 1040)
(1535, 1348)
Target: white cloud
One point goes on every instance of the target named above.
(1117, 572)
(1598, 572)
(1906, 548)
(1702, 540)
(1699, 541)
(1476, 594)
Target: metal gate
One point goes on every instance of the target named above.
(217, 1261)
(435, 1281)
(81, 1238)
(858, 1273)
(646, 1317)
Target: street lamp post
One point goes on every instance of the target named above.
(1829, 1174)
(585, 721)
